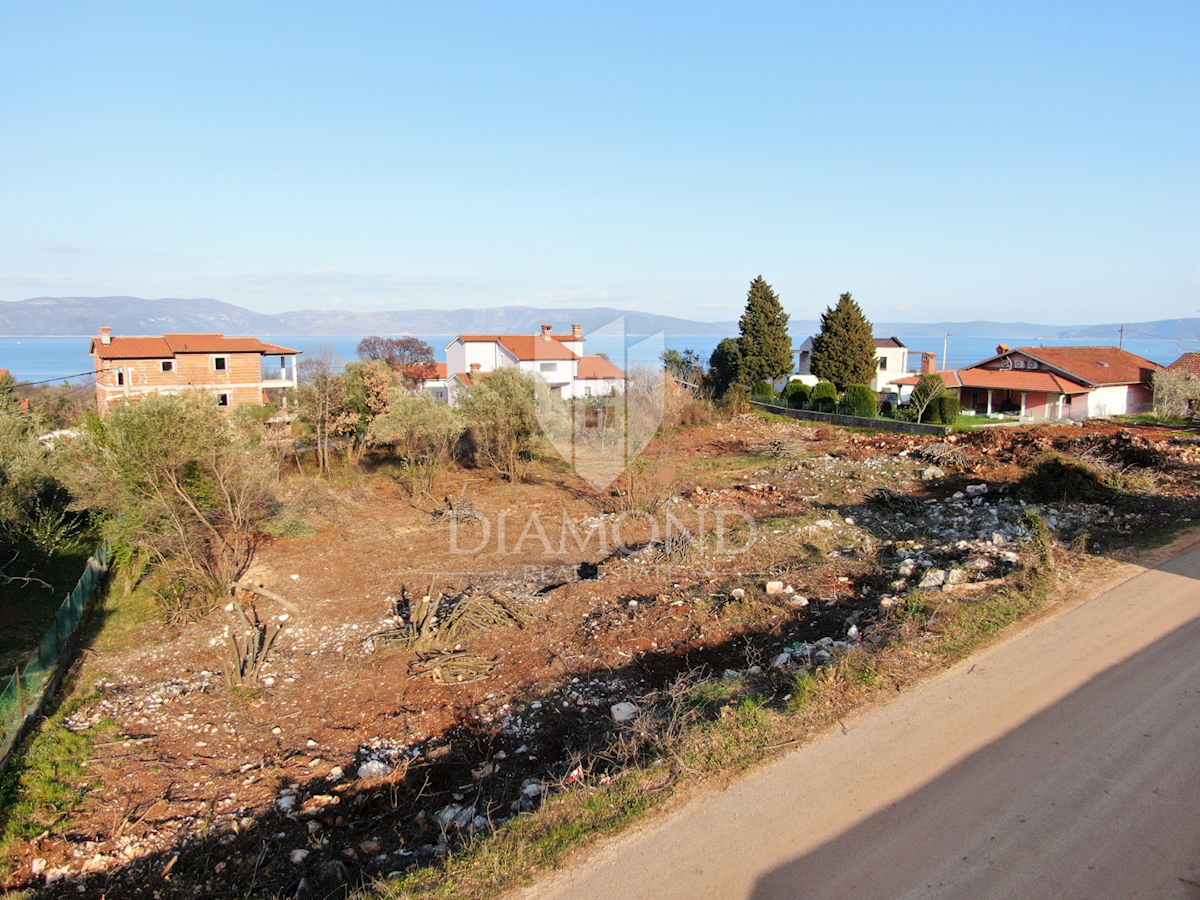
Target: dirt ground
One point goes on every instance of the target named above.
(355, 755)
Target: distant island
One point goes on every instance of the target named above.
(83, 316)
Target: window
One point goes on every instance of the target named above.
(587, 392)
(549, 367)
(222, 399)
(883, 364)
(220, 363)
(168, 365)
(120, 376)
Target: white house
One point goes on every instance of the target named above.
(891, 361)
(556, 358)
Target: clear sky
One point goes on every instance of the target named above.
(943, 161)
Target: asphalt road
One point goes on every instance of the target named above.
(1062, 763)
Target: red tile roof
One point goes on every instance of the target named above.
(1095, 365)
(170, 345)
(1003, 379)
(598, 367)
(1189, 362)
(528, 346)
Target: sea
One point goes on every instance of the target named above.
(56, 359)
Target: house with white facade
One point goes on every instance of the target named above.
(558, 359)
(891, 362)
(1039, 383)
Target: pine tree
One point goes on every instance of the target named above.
(844, 351)
(764, 346)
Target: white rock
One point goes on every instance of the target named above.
(781, 660)
(956, 576)
(975, 490)
(827, 524)
(532, 788)
(373, 768)
(731, 673)
(38, 866)
(286, 803)
(738, 593)
(799, 601)
(299, 856)
(852, 632)
(624, 712)
(754, 670)
(774, 588)
(933, 472)
(933, 578)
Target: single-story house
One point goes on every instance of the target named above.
(235, 370)
(559, 359)
(1039, 383)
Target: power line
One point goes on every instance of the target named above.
(62, 378)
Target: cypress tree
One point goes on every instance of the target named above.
(764, 345)
(844, 350)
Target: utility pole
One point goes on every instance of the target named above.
(945, 343)
(1121, 339)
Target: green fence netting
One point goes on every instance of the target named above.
(26, 687)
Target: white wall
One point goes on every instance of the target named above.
(1108, 401)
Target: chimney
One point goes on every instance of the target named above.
(475, 367)
(928, 363)
(577, 332)
(546, 332)
(106, 334)
(1003, 348)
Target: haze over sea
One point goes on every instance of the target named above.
(54, 358)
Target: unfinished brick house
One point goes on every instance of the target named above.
(234, 370)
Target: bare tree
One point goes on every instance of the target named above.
(409, 357)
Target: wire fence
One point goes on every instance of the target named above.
(29, 687)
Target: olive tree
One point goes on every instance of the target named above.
(501, 415)
(176, 482)
(422, 431)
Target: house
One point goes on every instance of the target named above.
(558, 359)
(235, 370)
(1189, 363)
(1039, 383)
(891, 361)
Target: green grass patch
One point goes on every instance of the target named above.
(46, 779)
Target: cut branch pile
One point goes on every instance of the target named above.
(674, 548)
(452, 666)
(941, 454)
(436, 620)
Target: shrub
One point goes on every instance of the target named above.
(887, 410)
(944, 409)
(763, 390)
(823, 397)
(796, 394)
(860, 400)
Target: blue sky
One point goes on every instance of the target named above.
(942, 161)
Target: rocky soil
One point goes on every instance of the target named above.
(355, 755)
